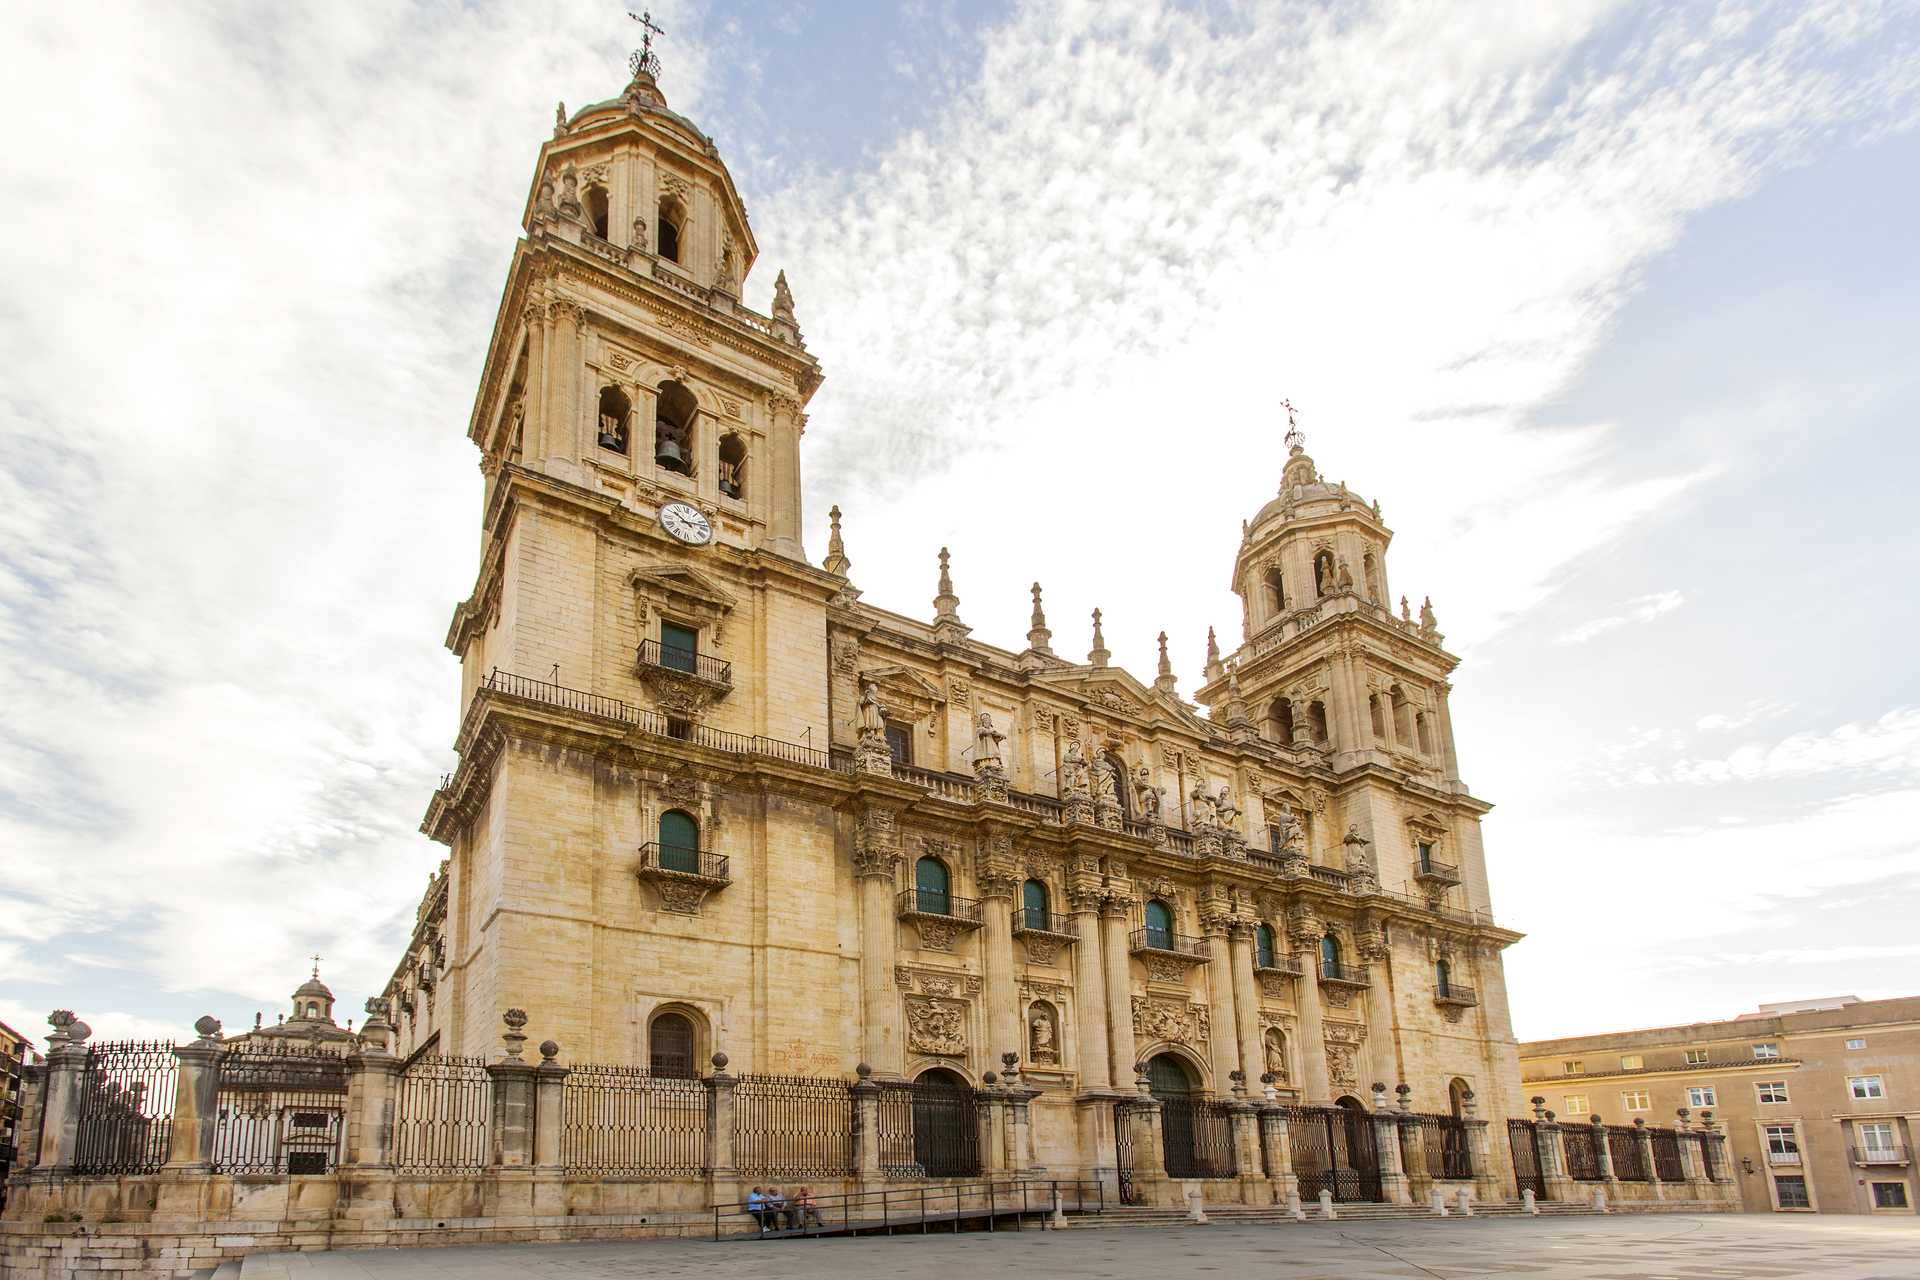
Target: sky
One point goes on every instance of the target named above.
(1611, 305)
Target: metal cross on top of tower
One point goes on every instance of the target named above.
(644, 59)
(316, 964)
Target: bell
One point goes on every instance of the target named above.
(666, 453)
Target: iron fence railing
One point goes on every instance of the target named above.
(1168, 941)
(1623, 1144)
(279, 1108)
(1196, 1137)
(1334, 1151)
(1583, 1152)
(672, 657)
(124, 1107)
(1709, 1157)
(1041, 920)
(442, 1115)
(1431, 871)
(938, 902)
(1455, 993)
(1666, 1155)
(625, 1121)
(929, 1128)
(1350, 975)
(683, 861)
(793, 1126)
(1443, 1142)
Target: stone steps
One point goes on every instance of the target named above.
(1134, 1216)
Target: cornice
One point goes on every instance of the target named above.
(1690, 1069)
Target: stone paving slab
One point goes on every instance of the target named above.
(1653, 1247)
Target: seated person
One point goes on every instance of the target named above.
(757, 1206)
(778, 1214)
(804, 1210)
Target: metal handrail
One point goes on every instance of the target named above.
(1783, 1157)
(892, 1209)
(1455, 993)
(1433, 869)
(933, 902)
(1879, 1155)
(689, 662)
(1040, 920)
(1167, 942)
(676, 860)
(1278, 963)
(1351, 975)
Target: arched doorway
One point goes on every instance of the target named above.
(946, 1132)
(1196, 1135)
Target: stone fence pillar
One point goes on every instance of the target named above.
(1386, 1143)
(989, 1113)
(66, 1060)
(866, 1126)
(1603, 1151)
(180, 1194)
(1643, 1138)
(1020, 1157)
(1552, 1146)
(1479, 1149)
(1248, 1161)
(1150, 1181)
(549, 1091)
(1277, 1143)
(723, 1174)
(508, 1189)
(373, 1077)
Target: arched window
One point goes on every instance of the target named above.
(733, 466)
(1280, 717)
(674, 412)
(1379, 717)
(932, 887)
(1330, 956)
(1317, 722)
(1459, 1094)
(1033, 906)
(597, 210)
(1442, 977)
(672, 219)
(1119, 767)
(1402, 716)
(313, 1010)
(670, 1046)
(1276, 591)
(1159, 925)
(616, 411)
(1423, 730)
(1323, 573)
(1371, 568)
(1263, 954)
(679, 841)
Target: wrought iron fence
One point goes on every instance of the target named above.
(279, 1108)
(793, 1126)
(1123, 1151)
(125, 1107)
(1196, 1138)
(1623, 1144)
(624, 1120)
(1333, 1150)
(1444, 1140)
(929, 1128)
(1666, 1155)
(1523, 1139)
(1583, 1152)
(443, 1115)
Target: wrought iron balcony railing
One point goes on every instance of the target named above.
(671, 657)
(1456, 994)
(673, 860)
(1783, 1157)
(1040, 920)
(1281, 964)
(1868, 1156)
(1343, 974)
(1437, 874)
(940, 905)
(1167, 942)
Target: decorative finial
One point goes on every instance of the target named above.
(316, 964)
(1163, 679)
(1098, 655)
(836, 562)
(1295, 438)
(644, 60)
(560, 119)
(782, 298)
(946, 605)
(1039, 639)
(1213, 649)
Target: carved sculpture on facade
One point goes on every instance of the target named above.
(1043, 1035)
(1170, 1021)
(874, 756)
(1226, 812)
(936, 1027)
(1362, 874)
(1106, 792)
(1274, 1052)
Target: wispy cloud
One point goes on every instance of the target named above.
(1641, 609)
(1755, 711)
(1889, 745)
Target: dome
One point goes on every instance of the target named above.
(313, 987)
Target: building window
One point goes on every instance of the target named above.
(1771, 1090)
(1783, 1145)
(1635, 1100)
(1277, 590)
(1766, 1050)
(1696, 1056)
(1263, 946)
(1857, 1043)
(1033, 906)
(679, 647)
(733, 466)
(1864, 1087)
(674, 412)
(1329, 955)
(1632, 1062)
(1791, 1190)
(1889, 1195)
(597, 210)
(679, 842)
(1574, 1068)
(1877, 1138)
(671, 218)
(900, 744)
(670, 1046)
(1576, 1104)
(1159, 925)
(1701, 1095)
(1426, 855)
(932, 887)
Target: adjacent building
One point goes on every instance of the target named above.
(1819, 1098)
(14, 1052)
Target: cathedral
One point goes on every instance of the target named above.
(714, 807)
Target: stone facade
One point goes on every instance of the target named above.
(830, 754)
(1817, 1098)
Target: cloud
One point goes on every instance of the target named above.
(1642, 609)
(1889, 745)
(1755, 711)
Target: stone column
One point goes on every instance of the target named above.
(373, 1076)
(1604, 1153)
(549, 1092)
(1689, 1155)
(33, 1103)
(565, 367)
(1150, 1180)
(1225, 1047)
(783, 443)
(1386, 1143)
(1378, 1049)
(996, 959)
(723, 1175)
(1449, 759)
(1643, 1138)
(1246, 1002)
(1090, 995)
(195, 1100)
(1247, 1162)
(1115, 915)
(66, 1060)
(1552, 1148)
(866, 1126)
(1020, 1108)
(508, 1190)
(1312, 1034)
(875, 859)
(1278, 1146)
(990, 1114)
(1479, 1149)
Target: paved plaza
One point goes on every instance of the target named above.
(1644, 1247)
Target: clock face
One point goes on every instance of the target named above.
(686, 523)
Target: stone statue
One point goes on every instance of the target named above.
(1289, 830)
(1345, 578)
(871, 712)
(559, 119)
(986, 743)
(1205, 811)
(1040, 1030)
(1276, 1057)
(1226, 812)
(1427, 621)
(1148, 793)
(1105, 790)
(569, 194)
(639, 240)
(1073, 770)
(1406, 614)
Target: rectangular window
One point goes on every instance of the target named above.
(1576, 1104)
(679, 646)
(1635, 1100)
(1771, 1090)
(1781, 1140)
(1889, 1195)
(1857, 1043)
(1574, 1068)
(1865, 1087)
(1696, 1056)
(1701, 1095)
(1792, 1191)
(1767, 1050)
(1632, 1062)
(900, 745)
(1877, 1136)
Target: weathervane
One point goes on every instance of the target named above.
(316, 965)
(644, 59)
(1295, 438)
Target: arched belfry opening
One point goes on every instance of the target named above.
(616, 412)
(733, 465)
(597, 211)
(672, 222)
(674, 412)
